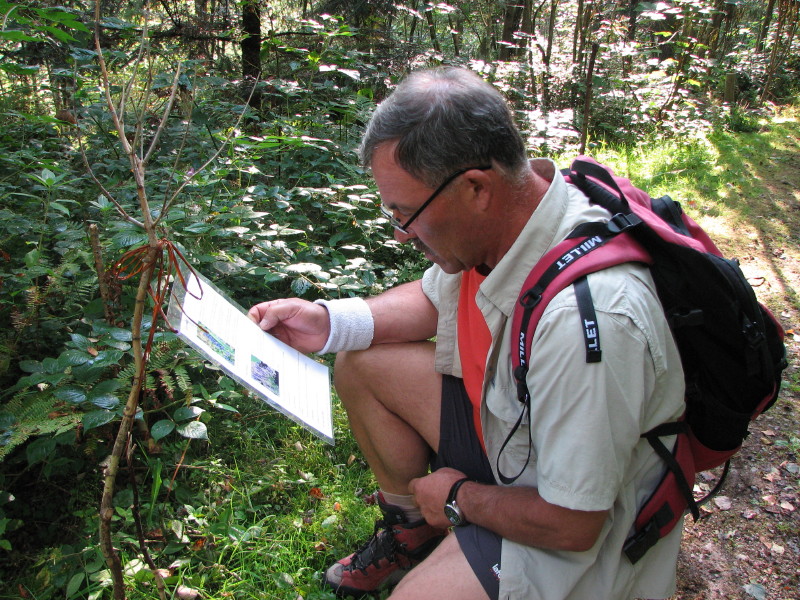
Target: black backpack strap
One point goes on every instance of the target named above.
(579, 173)
(671, 213)
(653, 437)
(591, 332)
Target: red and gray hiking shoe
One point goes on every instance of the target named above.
(393, 550)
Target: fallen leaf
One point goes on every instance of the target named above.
(756, 590)
(723, 502)
(315, 492)
(93, 351)
(772, 477)
(770, 499)
(337, 507)
(186, 593)
(750, 513)
(351, 459)
(787, 506)
(778, 549)
(768, 432)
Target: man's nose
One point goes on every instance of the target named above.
(404, 237)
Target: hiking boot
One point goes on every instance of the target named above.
(395, 547)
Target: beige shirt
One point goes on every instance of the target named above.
(587, 418)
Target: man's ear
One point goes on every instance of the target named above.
(481, 188)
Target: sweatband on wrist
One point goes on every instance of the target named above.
(352, 326)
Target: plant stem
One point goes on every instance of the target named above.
(123, 434)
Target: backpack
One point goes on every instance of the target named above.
(731, 346)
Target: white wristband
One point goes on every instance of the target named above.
(352, 326)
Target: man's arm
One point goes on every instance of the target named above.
(517, 513)
(401, 314)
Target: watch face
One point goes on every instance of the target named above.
(453, 514)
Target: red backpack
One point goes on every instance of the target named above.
(731, 346)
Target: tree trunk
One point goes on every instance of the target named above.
(762, 33)
(251, 46)
(587, 100)
(432, 29)
(511, 20)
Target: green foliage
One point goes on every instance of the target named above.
(234, 499)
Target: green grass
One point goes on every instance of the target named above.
(263, 509)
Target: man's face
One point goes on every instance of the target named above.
(443, 231)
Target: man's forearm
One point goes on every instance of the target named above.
(520, 514)
(403, 314)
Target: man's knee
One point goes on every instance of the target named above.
(354, 365)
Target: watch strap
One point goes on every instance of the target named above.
(454, 489)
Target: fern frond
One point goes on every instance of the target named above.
(37, 413)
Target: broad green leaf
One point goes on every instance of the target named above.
(161, 429)
(17, 69)
(303, 268)
(107, 401)
(32, 258)
(60, 208)
(70, 358)
(194, 430)
(39, 449)
(75, 584)
(60, 35)
(106, 358)
(97, 418)
(81, 342)
(122, 335)
(187, 412)
(106, 387)
(71, 393)
(14, 35)
(300, 286)
(31, 366)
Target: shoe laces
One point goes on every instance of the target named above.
(381, 545)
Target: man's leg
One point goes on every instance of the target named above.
(444, 574)
(393, 400)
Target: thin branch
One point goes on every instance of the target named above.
(165, 117)
(168, 202)
(123, 213)
(143, 48)
(107, 88)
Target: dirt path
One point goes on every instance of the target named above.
(747, 543)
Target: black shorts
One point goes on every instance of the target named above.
(459, 448)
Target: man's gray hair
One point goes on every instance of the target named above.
(445, 119)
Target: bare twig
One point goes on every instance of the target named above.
(168, 201)
(165, 116)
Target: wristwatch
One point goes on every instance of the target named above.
(451, 509)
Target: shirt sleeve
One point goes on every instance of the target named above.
(586, 418)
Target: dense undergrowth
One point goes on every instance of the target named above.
(247, 504)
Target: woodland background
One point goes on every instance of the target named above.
(224, 132)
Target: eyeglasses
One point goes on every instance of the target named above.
(403, 227)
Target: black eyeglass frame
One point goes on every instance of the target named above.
(403, 227)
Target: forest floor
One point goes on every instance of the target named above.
(747, 542)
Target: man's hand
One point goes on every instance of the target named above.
(301, 324)
(430, 494)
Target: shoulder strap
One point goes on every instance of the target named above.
(569, 262)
